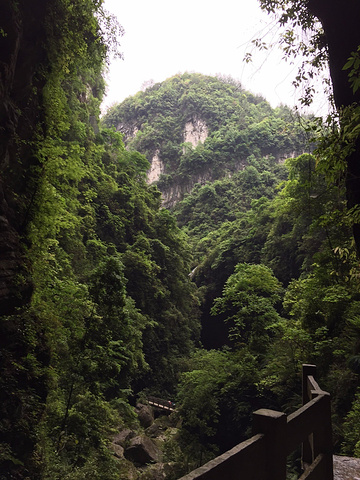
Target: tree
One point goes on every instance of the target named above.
(216, 397)
(336, 44)
(248, 302)
(308, 212)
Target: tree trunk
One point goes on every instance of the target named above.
(340, 20)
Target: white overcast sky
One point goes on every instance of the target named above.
(164, 37)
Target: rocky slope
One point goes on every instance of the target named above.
(145, 447)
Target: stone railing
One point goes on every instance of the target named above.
(276, 435)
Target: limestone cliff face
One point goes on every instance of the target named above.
(156, 169)
(194, 128)
(195, 131)
(128, 130)
(173, 194)
(173, 168)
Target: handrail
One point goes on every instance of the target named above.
(160, 403)
(263, 456)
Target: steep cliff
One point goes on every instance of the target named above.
(88, 260)
(23, 62)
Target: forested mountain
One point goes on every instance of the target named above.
(106, 296)
(194, 128)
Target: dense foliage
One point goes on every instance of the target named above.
(262, 246)
(112, 306)
(301, 237)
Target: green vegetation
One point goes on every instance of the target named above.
(112, 307)
(113, 288)
(273, 260)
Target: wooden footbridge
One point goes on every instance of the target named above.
(161, 404)
(276, 435)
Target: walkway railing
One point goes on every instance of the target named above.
(160, 403)
(276, 435)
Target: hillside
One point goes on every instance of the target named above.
(214, 149)
(196, 129)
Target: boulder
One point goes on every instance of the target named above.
(145, 414)
(142, 450)
(154, 430)
(123, 437)
(118, 450)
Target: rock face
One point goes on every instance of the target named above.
(142, 450)
(156, 169)
(176, 192)
(23, 67)
(12, 293)
(195, 131)
(129, 130)
(22, 56)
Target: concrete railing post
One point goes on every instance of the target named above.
(273, 425)
(322, 440)
(307, 456)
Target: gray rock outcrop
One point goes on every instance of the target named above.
(142, 450)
